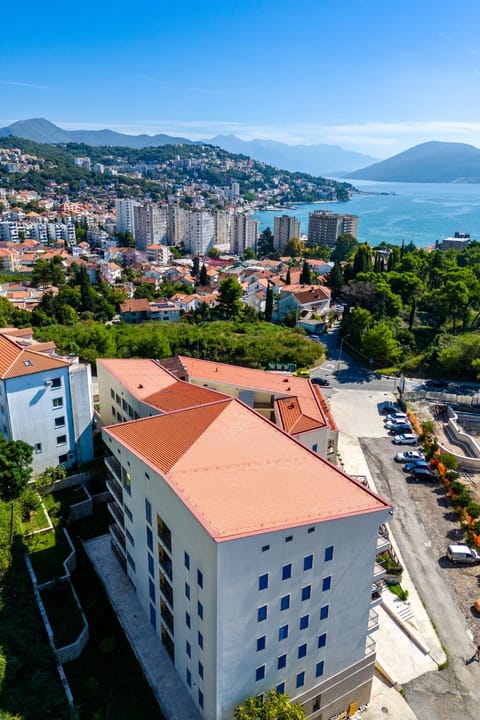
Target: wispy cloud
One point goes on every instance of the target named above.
(16, 83)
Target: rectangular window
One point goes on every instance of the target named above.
(319, 668)
(200, 640)
(315, 447)
(151, 566)
(283, 632)
(304, 622)
(285, 602)
(148, 511)
(300, 680)
(153, 616)
(61, 439)
(63, 459)
(280, 688)
(310, 530)
(327, 583)
(261, 642)
(263, 582)
(131, 561)
(322, 640)
(187, 620)
(289, 538)
(187, 591)
(302, 650)
(118, 399)
(200, 699)
(126, 481)
(200, 669)
(265, 548)
(200, 610)
(129, 537)
(188, 649)
(287, 571)
(38, 448)
(200, 578)
(149, 539)
(114, 413)
(189, 678)
(112, 393)
(187, 560)
(324, 612)
(56, 382)
(308, 562)
(260, 673)
(281, 662)
(262, 613)
(128, 512)
(151, 590)
(60, 421)
(57, 402)
(329, 553)
(306, 592)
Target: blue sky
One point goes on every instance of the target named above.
(371, 76)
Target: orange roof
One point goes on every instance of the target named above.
(16, 360)
(239, 474)
(278, 384)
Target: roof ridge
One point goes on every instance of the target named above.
(17, 346)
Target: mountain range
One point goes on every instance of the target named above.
(329, 160)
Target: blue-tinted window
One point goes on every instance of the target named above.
(151, 589)
(265, 548)
(304, 622)
(329, 553)
(263, 582)
(287, 571)
(200, 669)
(282, 662)
(289, 538)
(262, 613)
(261, 642)
(148, 511)
(283, 632)
(302, 650)
(315, 447)
(200, 699)
(200, 578)
(324, 612)
(151, 565)
(327, 583)
(260, 673)
(306, 592)
(189, 678)
(319, 668)
(187, 619)
(280, 688)
(149, 539)
(188, 648)
(308, 562)
(285, 602)
(187, 561)
(200, 640)
(200, 610)
(300, 680)
(187, 591)
(322, 640)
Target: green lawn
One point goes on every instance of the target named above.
(47, 552)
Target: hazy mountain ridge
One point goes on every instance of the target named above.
(317, 159)
(430, 162)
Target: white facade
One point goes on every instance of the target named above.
(244, 231)
(125, 215)
(200, 234)
(285, 227)
(151, 225)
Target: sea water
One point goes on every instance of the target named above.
(422, 213)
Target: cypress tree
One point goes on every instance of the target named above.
(288, 279)
(269, 304)
(203, 275)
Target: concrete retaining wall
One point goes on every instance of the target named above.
(463, 439)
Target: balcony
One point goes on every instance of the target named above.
(119, 556)
(166, 615)
(168, 643)
(379, 572)
(115, 468)
(114, 489)
(383, 540)
(118, 537)
(370, 647)
(165, 562)
(117, 514)
(165, 537)
(373, 622)
(376, 595)
(166, 590)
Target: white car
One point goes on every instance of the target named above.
(397, 421)
(409, 456)
(406, 439)
(395, 417)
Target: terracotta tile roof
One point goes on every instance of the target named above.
(180, 395)
(293, 421)
(134, 305)
(239, 474)
(16, 360)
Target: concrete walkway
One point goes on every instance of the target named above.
(171, 693)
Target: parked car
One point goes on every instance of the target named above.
(422, 474)
(389, 408)
(320, 381)
(409, 466)
(302, 372)
(409, 456)
(461, 553)
(406, 439)
(400, 428)
(395, 420)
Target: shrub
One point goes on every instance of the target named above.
(29, 503)
(462, 500)
(452, 475)
(457, 487)
(473, 509)
(450, 461)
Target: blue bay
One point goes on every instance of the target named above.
(421, 213)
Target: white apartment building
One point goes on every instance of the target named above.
(46, 401)
(244, 231)
(285, 227)
(200, 232)
(151, 225)
(253, 558)
(124, 208)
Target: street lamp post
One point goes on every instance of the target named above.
(340, 354)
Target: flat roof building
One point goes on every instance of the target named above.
(326, 227)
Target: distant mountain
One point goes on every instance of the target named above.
(330, 160)
(430, 162)
(43, 131)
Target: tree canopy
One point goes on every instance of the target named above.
(272, 706)
(15, 468)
